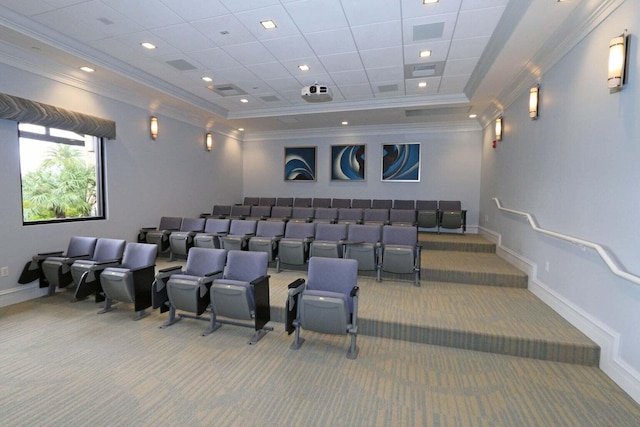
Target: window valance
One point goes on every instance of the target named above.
(26, 111)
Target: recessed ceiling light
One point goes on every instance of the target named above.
(425, 53)
(269, 24)
(87, 69)
(244, 100)
(345, 123)
(241, 129)
(473, 116)
(207, 79)
(303, 67)
(148, 45)
(422, 84)
(429, 1)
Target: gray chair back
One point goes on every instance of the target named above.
(351, 215)
(281, 212)
(404, 204)
(267, 201)
(246, 266)
(364, 233)
(331, 232)
(108, 249)
(321, 202)
(251, 201)
(380, 216)
(341, 203)
(170, 223)
(216, 225)
(284, 201)
(81, 246)
(361, 203)
(398, 235)
(139, 255)
(381, 204)
(241, 227)
(202, 261)
(303, 202)
(270, 228)
(299, 230)
(192, 224)
(333, 275)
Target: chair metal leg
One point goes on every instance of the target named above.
(172, 318)
(213, 326)
(141, 314)
(297, 341)
(353, 348)
(107, 306)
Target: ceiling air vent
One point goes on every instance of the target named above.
(388, 88)
(227, 90)
(270, 98)
(416, 71)
(181, 64)
(428, 31)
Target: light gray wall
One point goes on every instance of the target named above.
(145, 179)
(576, 170)
(450, 167)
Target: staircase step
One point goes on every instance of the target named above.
(456, 242)
(473, 268)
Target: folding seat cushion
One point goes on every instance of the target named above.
(406, 217)
(56, 269)
(188, 289)
(242, 293)
(182, 240)
(400, 251)
(213, 229)
(350, 215)
(451, 215)
(85, 272)
(239, 233)
(376, 216)
(329, 215)
(341, 203)
(160, 236)
(328, 240)
(327, 302)
(361, 203)
(267, 238)
(132, 280)
(294, 246)
(363, 243)
(427, 213)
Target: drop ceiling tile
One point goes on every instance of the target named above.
(380, 58)
(439, 51)
(233, 75)
(214, 59)
(415, 8)
(148, 14)
(241, 5)
(317, 15)
(378, 36)
(353, 77)
(356, 92)
(342, 62)
(331, 42)
(284, 24)
(270, 71)
(371, 12)
(477, 23)
(194, 10)
(224, 30)
(127, 46)
(412, 88)
(467, 48)
(482, 4)
(249, 53)
(183, 37)
(289, 48)
(62, 3)
(283, 84)
(449, 20)
(28, 8)
(386, 74)
(453, 84)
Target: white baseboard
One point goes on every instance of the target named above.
(21, 294)
(608, 340)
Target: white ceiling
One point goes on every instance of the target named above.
(364, 50)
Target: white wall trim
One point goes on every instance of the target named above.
(20, 294)
(608, 340)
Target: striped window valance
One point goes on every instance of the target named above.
(26, 111)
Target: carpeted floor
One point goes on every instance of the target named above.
(63, 365)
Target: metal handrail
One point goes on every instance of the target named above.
(604, 254)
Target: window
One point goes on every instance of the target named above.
(61, 175)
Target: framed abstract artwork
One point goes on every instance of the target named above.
(300, 163)
(401, 162)
(348, 162)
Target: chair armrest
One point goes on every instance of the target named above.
(48, 254)
(168, 269)
(296, 283)
(259, 280)
(133, 270)
(213, 273)
(355, 291)
(110, 261)
(147, 228)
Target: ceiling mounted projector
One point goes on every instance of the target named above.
(316, 93)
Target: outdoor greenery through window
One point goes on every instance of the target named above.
(61, 175)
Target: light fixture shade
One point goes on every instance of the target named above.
(153, 127)
(208, 141)
(534, 98)
(617, 59)
(499, 129)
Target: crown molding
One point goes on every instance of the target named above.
(359, 131)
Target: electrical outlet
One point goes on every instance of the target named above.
(546, 266)
(4, 271)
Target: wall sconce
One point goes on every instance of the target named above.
(617, 63)
(153, 127)
(534, 98)
(208, 141)
(499, 129)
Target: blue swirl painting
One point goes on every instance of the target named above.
(347, 162)
(401, 162)
(300, 163)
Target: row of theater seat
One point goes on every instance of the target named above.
(325, 202)
(429, 214)
(227, 283)
(377, 247)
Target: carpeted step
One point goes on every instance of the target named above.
(456, 242)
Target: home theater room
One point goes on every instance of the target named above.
(319, 212)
